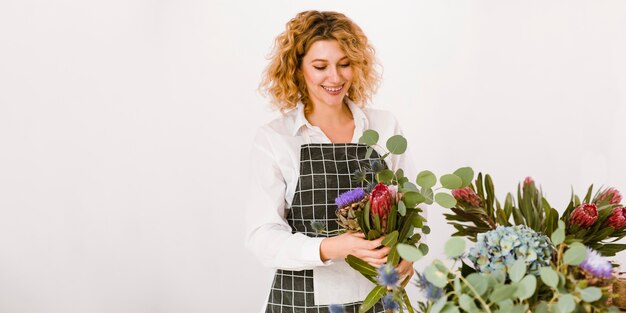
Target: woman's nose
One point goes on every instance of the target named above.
(334, 76)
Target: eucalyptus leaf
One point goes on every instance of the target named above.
(385, 176)
(527, 287)
(412, 199)
(402, 208)
(467, 303)
(426, 179)
(428, 195)
(558, 236)
(451, 181)
(466, 174)
(478, 282)
(502, 292)
(576, 254)
(454, 247)
(438, 306)
(396, 144)
(566, 303)
(450, 308)
(549, 276)
(410, 186)
(517, 270)
(369, 137)
(409, 252)
(591, 294)
(445, 200)
(423, 248)
(435, 276)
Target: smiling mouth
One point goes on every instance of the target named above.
(333, 90)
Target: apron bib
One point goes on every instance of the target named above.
(325, 172)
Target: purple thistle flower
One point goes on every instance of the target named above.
(431, 292)
(336, 308)
(390, 303)
(349, 197)
(388, 276)
(596, 264)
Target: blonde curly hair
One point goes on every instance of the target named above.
(283, 81)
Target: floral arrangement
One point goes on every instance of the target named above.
(388, 206)
(514, 266)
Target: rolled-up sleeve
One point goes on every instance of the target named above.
(268, 235)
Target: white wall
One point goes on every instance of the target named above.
(125, 128)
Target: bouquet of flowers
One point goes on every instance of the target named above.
(388, 206)
(539, 262)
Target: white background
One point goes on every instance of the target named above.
(125, 128)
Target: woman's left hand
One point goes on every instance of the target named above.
(405, 269)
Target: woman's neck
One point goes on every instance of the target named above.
(324, 115)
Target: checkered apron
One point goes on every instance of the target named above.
(325, 172)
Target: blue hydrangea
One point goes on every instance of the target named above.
(349, 197)
(498, 249)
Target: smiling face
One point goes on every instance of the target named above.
(327, 73)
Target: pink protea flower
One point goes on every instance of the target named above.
(528, 181)
(617, 219)
(611, 193)
(466, 195)
(381, 201)
(584, 215)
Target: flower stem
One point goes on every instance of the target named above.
(476, 295)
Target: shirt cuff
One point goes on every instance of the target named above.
(311, 252)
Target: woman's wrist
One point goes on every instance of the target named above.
(327, 251)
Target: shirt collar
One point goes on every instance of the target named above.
(361, 122)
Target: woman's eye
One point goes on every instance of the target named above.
(319, 67)
(345, 65)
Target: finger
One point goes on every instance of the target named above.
(359, 235)
(376, 243)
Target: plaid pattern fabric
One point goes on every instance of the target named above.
(325, 172)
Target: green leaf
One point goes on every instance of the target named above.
(402, 208)
(527, 287)
(372, 298)
(426, 230)
(450, 308)
(451, 181)
(385, 176)
(467, 303)
(466, 174)
(423, 248)
(396, 144)
(426, 179)
(369, 152)
(517, 270)
(502, 292)
(409, 252)
(435, 276)
(549, 276)
(591, 294)
(566, 303)
(361, 266)
(393, 257)
(369, 137)
(412, 199)
(410, 186)
(478, 282)
(575, 254)
(390, 239)
(428, 194)
(558, 236)
(436, 308)
(445, 200)
(454, 247)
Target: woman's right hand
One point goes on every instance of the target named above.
(339, 247)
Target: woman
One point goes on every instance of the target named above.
(320, 76)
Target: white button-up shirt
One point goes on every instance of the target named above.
(275, 166)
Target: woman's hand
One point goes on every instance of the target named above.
(405, 269)
(339, 247)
